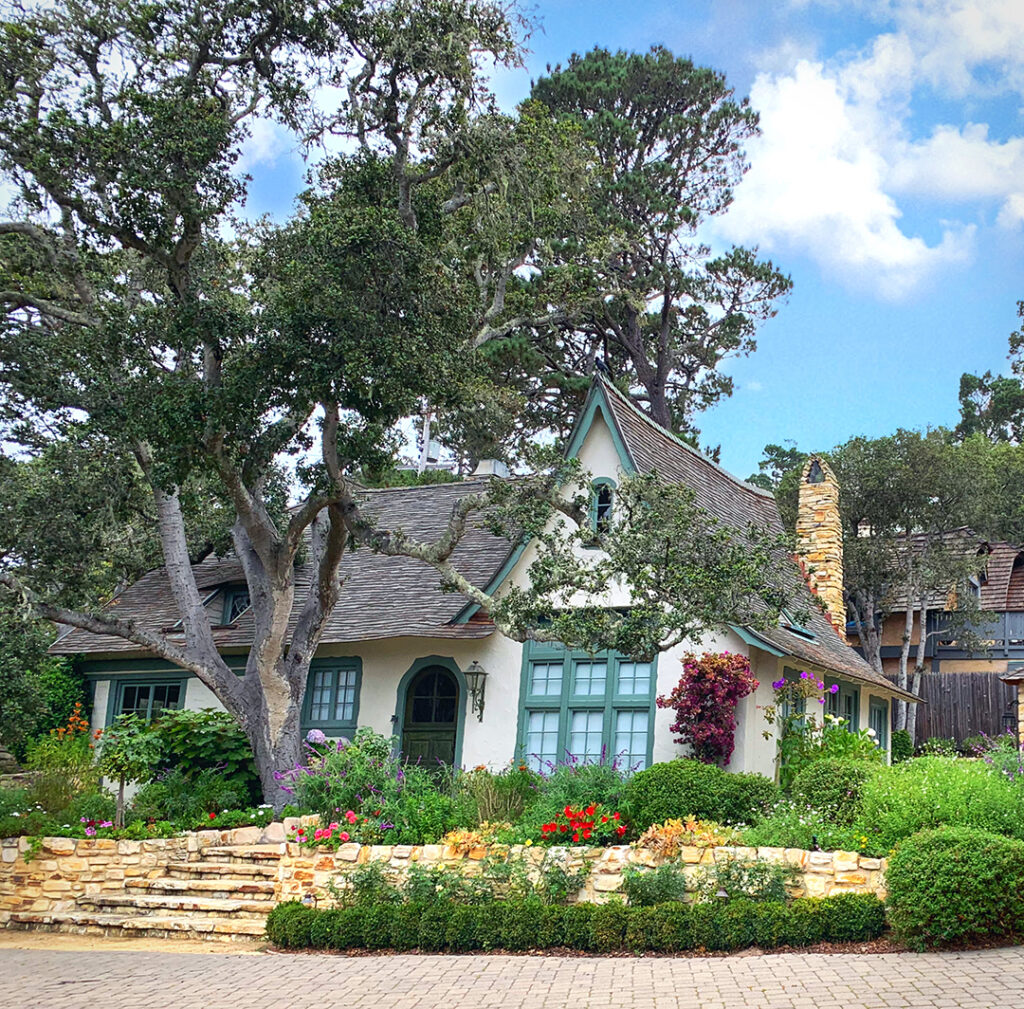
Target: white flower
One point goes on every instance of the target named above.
(872, 733)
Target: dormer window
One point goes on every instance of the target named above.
(602, 504)
(236, 602)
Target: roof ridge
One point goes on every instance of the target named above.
(626, 401)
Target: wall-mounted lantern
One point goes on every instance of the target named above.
(476, 680)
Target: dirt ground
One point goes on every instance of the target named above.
(97, 943)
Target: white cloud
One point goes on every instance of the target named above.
(267, 141)
(837, 150)
(818, 176)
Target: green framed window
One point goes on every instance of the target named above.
(602, 504)
(236, 602)
(332, 696)
(844, 703)
(878, 719)
(147, 698)
(587, 708)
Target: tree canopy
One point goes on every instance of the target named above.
(174, 381)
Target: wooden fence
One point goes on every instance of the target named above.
(959, 705)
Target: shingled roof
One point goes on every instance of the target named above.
(388, 597)
(737, 503)
(381, 597)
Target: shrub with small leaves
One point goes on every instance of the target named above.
(646, 887)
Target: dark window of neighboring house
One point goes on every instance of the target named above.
(147, 700)
(236, 602)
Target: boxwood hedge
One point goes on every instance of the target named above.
(444, 926)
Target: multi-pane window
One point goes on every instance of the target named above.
(147, 700)
(542, 737)
(236, 602)
(843, 703)
(586, 708)
(632, 730)
(546, 679)
(878, 719)
(591, 679)
(604, 499)
(586, 735)
(332, 695)
(634, 679)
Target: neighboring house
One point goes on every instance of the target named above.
(403, 657)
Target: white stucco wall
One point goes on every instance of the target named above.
(492, 741)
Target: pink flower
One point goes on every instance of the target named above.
(90, 831)
(343, 835)
(351, 817)
(106, 823)
(333, 826)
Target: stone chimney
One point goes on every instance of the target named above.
(819, 538)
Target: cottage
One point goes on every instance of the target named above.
(403, 657)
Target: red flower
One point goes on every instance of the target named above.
(575, 837)
(568, 811)
(301, 830)
(213, 816)
(620, 830)
(591, 809)
(562, 827)
(616, 816)
(604, 819)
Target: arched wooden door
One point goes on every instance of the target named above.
(431, 714)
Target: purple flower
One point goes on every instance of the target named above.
(805, 675)
(90, 831)
(315, 737)
(779, 684)
(834, 689)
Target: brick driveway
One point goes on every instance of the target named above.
(119, 980)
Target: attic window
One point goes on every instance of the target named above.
(787, 622)
(815, 473)
(236, 602)
(602, 505)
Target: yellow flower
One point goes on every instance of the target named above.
(528, 842)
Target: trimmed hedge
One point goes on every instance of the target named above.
(672, 927)
(956, 885)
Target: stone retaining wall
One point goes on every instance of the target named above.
(818, 873)
(66, 868)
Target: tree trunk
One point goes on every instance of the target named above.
(119, 809)
(908, 633)
(922, 643)
(274, 760)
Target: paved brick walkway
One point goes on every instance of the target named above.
(118, 980)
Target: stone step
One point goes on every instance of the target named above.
(129, 925)
(175, 906)
(228, 887)
(236, 853)
(225, 870)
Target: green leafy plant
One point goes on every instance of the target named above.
(832, 787)
(194, 800)
(936, 791)
(66, 762)
(196, 741)
(938, 746)
(128, 750)
(646, 887)
(502, 797)
(681, 788)
(901, 746)
(747, 879)
(956, 885)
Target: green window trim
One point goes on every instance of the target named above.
(146, 691)
(843, 704)
(236, 602)
(878, 719)
(604, 696)
(332, 684)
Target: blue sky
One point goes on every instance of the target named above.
(888, 181)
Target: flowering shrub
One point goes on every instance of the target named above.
(705, 702)
(668, 838)
(66, 762)
(592, 823)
